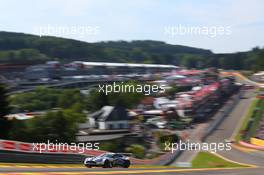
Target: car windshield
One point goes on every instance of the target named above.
(106, 155)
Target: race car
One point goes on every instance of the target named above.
(108, 160)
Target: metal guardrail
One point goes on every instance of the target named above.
(172, 158)
(26, 157)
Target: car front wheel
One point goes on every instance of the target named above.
(126, 164)
(107, 164)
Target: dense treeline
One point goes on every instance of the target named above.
(24, 48)
(4, 110)
(63, 110)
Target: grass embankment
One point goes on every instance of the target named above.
(209, 160)
(247, 119)
(251, 122)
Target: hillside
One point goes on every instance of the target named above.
(25, 48)
(12, 44)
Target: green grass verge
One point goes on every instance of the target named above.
(256, 118)
(209, 160)
(247, 119)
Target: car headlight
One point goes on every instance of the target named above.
(88, 159)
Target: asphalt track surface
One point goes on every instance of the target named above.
(80, 171)
(57, 171)
(226, 130)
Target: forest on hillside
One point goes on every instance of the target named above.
(31, 49)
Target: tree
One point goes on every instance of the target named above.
(4, 110)
(95, 100)
(137, 150)
(69, 98)
(126, 99)
(54, 126)
(259, 61)
(192, 61)
(45, 98)
(19, 131)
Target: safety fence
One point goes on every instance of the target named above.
(10, 145)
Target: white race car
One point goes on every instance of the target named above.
(108, 160)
